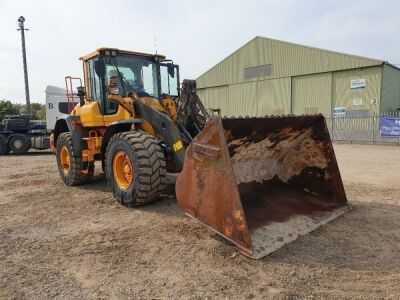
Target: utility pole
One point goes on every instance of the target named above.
(21, 28)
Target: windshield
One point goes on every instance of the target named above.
(134, 74)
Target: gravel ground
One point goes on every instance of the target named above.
(62, 242)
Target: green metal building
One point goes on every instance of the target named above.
(271, 77)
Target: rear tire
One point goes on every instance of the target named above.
(19, 143)
(135, 168)
(3, 147)
(69, 163)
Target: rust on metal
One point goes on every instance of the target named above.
(273, 180)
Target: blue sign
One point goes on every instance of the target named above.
(390, 126)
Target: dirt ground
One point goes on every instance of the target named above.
(62, 242)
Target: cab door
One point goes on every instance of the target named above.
(91, 114)
(169, 77)
(100, 111)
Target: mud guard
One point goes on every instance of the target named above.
(164, 125)
(69, 123)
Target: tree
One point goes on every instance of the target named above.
(38, 111)
(8, 108)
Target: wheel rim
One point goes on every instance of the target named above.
(123, 170)
(17, 144)
(65, 160)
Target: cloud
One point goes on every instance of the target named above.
(195, 34)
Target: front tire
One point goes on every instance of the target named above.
(135, 168)
(69, 163)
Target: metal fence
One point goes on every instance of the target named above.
(360, 129)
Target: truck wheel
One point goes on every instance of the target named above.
(69, 164)
(3, 147)
(19, 143)
(135, 168)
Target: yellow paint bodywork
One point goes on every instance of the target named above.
(94, 147)
(126, 103)
(145, 125)
(152, 102)
(90, 115)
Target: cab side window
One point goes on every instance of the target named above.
(111, 107)
(169, 84)
(94, 82)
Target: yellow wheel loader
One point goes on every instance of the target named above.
(258, 182)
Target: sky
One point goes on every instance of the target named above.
(195, 34)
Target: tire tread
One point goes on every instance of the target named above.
(77, 177)
(152, 167)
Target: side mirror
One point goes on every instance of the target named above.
(171, 70)
(100, 68)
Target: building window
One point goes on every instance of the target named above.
(259, 71)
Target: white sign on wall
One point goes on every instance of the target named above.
(339, 111)
(374, 101)
(357, 83)
(357, 101)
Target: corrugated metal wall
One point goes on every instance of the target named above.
(242, 100)
(216, 97)
(233, 100)
(287, 60)
(307, 94)
(312, 94)
(267, 97)
(274, 97)
(345, 96)
(390, 89)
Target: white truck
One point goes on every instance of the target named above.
(19, 133)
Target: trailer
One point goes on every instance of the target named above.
(19, 133)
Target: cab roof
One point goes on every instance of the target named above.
(103, 50)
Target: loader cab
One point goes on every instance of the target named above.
(147, 75)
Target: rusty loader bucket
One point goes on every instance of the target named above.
(262, 182)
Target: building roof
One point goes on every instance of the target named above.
(287, 59)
